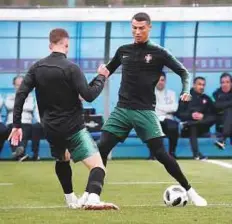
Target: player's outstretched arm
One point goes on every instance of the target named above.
(26, 87)
(88, 92)
(115, 62)
(176, 66)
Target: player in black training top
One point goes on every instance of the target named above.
(58, 83)
(142, 63)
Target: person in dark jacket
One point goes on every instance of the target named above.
(58, 83)
(223, 105)
(142, 63)
(197, 116)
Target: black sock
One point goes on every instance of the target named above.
(96, 181)
(87, 187)
(64, 174)
(169, 162)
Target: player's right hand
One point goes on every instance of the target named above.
(15, 136)
(186, 97)
(102, 70)
(197, 116)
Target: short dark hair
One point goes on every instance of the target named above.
(163, 74)
(142, 16)
(198, 78)
(57, 35)
(224, 75)
(17, 77)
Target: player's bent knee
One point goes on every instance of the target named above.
(106, 143)
(94, 161)
(157, 147)
(102, 146)
(160, 152)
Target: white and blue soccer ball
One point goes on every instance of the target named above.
(175, 195)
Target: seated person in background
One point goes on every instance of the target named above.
(197, 115)
(3, 129)
(223, 105)
(27, 117)
(166, 105)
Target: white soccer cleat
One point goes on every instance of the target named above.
(94, 203)
(195, 198)
(83, 199)
(72, 201)
(73, 206)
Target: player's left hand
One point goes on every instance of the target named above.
(16, 136)
(185, 97)
(102, 70)
(199, 116)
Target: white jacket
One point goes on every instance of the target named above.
(36, 113)
(166, 104)
(1, 104)
(28, 109)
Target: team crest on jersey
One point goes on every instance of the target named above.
(204, 101)
(148, 58)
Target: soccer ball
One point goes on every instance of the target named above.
(175, 195)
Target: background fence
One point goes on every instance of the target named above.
(89, 3)
(202, 44)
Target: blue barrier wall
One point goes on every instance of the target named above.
(22, 43)
(134, 148)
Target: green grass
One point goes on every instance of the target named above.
(35, 185)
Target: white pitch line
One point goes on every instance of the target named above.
(163, 205)
(220, 163)
(32, 207)
(121, 206)
(6, 184)
(145, 182)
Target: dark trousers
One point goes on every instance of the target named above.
(3, 135)
(196, 129)
(36, 135)
(224, 124)
(171, 130)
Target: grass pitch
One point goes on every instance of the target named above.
(30, 194)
